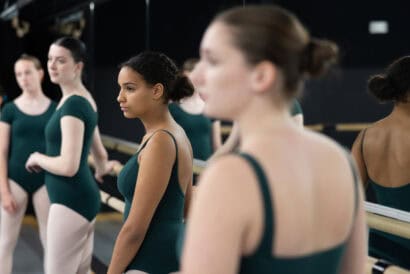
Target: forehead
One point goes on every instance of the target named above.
(24, 64)
(56, 50)
(217, 36)
(127, 74)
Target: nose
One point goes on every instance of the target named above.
(120, 97)
(51, 64)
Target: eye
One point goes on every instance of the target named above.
(129, 88)
(210, 60)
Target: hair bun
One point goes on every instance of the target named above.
(381, 87)
(318, 56)
(181, 88)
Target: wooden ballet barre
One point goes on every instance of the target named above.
(112, 201)
(388, 225)
(374, 266)
(120, 145)
(199, 166)
(315, 127)
(226, 129)
(387, 219)
(352, 126)
(388, 211)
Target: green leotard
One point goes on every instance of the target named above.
(198, 129)
(296, 108)
(157, 254)
(262, 262)
(383, 245)
(26, 137)
(80, 192)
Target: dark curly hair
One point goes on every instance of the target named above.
(394, 84)
(156, 67)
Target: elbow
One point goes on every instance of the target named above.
(133, 234)
(70, 169)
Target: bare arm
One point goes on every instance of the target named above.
(229, 145)
(98, 150)
(358, 156)
(4, 152)
(216, 229)
(7, 200)
(188, 199)
(355, 256)
(216, 135)
(100, 156)
(154, 172)
(68, 162)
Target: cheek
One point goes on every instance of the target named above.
(219, 103)
(226, 99)
(138, 103)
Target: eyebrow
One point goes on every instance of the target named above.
(57, 57)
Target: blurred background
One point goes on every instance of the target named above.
(370, 34)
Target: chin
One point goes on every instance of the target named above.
(212, 113)
(54, 81)
(126, 116)
(129, 115)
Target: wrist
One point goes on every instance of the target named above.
(4, 192)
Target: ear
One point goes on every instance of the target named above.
(80, 66)
(263, 76)
(157, 91)
(41, 73)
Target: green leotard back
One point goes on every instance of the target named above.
(198, 129)
(263, 262)
(26, 137)
(384, 245)
(80, 192)
(157, 254)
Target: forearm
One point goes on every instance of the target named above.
(230, 145)
(100, 157)
(216, 135)
(4, 183)
(125, 249)
(98, 151)
(59, 165)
